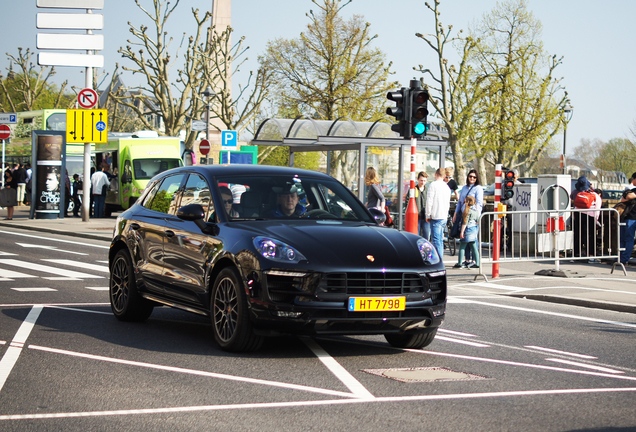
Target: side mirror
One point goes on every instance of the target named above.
(125, 178)
(377, 215)
(195, 213)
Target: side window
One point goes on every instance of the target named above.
(166, 198)
(149, 193)
(197, 191)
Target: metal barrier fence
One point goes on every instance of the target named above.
(547, 235)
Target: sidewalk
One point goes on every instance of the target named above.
(593, 285)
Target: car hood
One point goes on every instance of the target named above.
(344, 244)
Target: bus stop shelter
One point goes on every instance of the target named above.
(309, 135)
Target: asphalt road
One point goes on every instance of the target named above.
(498, 363)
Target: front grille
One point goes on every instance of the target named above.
(373, 283)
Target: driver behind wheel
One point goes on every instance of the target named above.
(288, 205)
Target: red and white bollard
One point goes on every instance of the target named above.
(411, 217)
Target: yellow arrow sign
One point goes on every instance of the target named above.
(86, 126)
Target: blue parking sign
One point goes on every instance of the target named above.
(229, 139)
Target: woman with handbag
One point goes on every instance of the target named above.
(9, 194)
(471, 188)
(375, 197)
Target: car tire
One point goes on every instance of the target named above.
(125, 301)
(417, 340)
(230, 319)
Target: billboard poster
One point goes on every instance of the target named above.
(49, 176)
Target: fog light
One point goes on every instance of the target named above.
(287, 314)
(438, 311)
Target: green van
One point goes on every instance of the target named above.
(134, 159)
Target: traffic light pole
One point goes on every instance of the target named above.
(496, 235)
(411, 217)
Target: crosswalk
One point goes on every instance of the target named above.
(48, 269)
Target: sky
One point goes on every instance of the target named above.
(597, 41)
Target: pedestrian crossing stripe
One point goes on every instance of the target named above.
(71, 263)
(33, 289)
(41, 268)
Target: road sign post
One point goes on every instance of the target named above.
(87, 98)
(229, 141)
(204, 149)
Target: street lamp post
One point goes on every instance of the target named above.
(209, 94)
(567, 111)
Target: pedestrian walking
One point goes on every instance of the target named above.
(471, 188)
(437, 206)
(20, 176)
(77, 203)
(420, 202)
(100, 185)
(469, 234)
(375, 197)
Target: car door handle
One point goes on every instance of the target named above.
(135, 226)
(169, 233)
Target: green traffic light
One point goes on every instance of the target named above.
(419, 128)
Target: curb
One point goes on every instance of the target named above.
(617, 307)
(59, 232)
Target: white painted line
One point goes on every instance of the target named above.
(102, 261)
(28, 245)
(277, 405)
(13, 233)
(550, 350)
(598, 368)
(33, 289)
(15, 348)
(71, 263)
(461, 342)
(98, 288)
(498, 286)
(22, 305)
(456, 333)
(10, 274)
(513, 363)
(336, 368)
(80, 310)
(6, 253)
(596, 320)
(47, 269)
(63, 278)
(2, 342)
(194, 372)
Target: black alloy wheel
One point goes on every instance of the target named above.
(416, 341)
(125, 301)
(230, 321)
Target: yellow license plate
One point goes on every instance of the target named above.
(367, 304)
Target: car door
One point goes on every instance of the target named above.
(149, 227)
(186, 248)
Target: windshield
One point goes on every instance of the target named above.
(146, 169)
(285, 197)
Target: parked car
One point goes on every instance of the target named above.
(329, 268)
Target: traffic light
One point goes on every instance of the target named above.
(419, 109)
(508, 185)
(400, 111)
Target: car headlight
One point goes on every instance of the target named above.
(429, 254)
(276, 250)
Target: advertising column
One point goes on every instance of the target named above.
(49, 176)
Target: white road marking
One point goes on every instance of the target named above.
(6, 253)
(63, 278)
(277, 405)
(596, 320)
(33, 289)
(499, 286)
(22, 305)
(10, 274)
(98, 288)
(47, 269)
(13, 233)
(335, 368)
(550, 350)
(195, 372)
(102, 261)
(461, 342)
(71, 263)
(599, 368)
(513, 363)
(28, 245)
(15, 347)
(456, 333)
(79, 310)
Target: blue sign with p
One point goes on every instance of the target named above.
(229, 139)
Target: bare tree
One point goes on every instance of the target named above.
(27, 89)
(206, 62)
